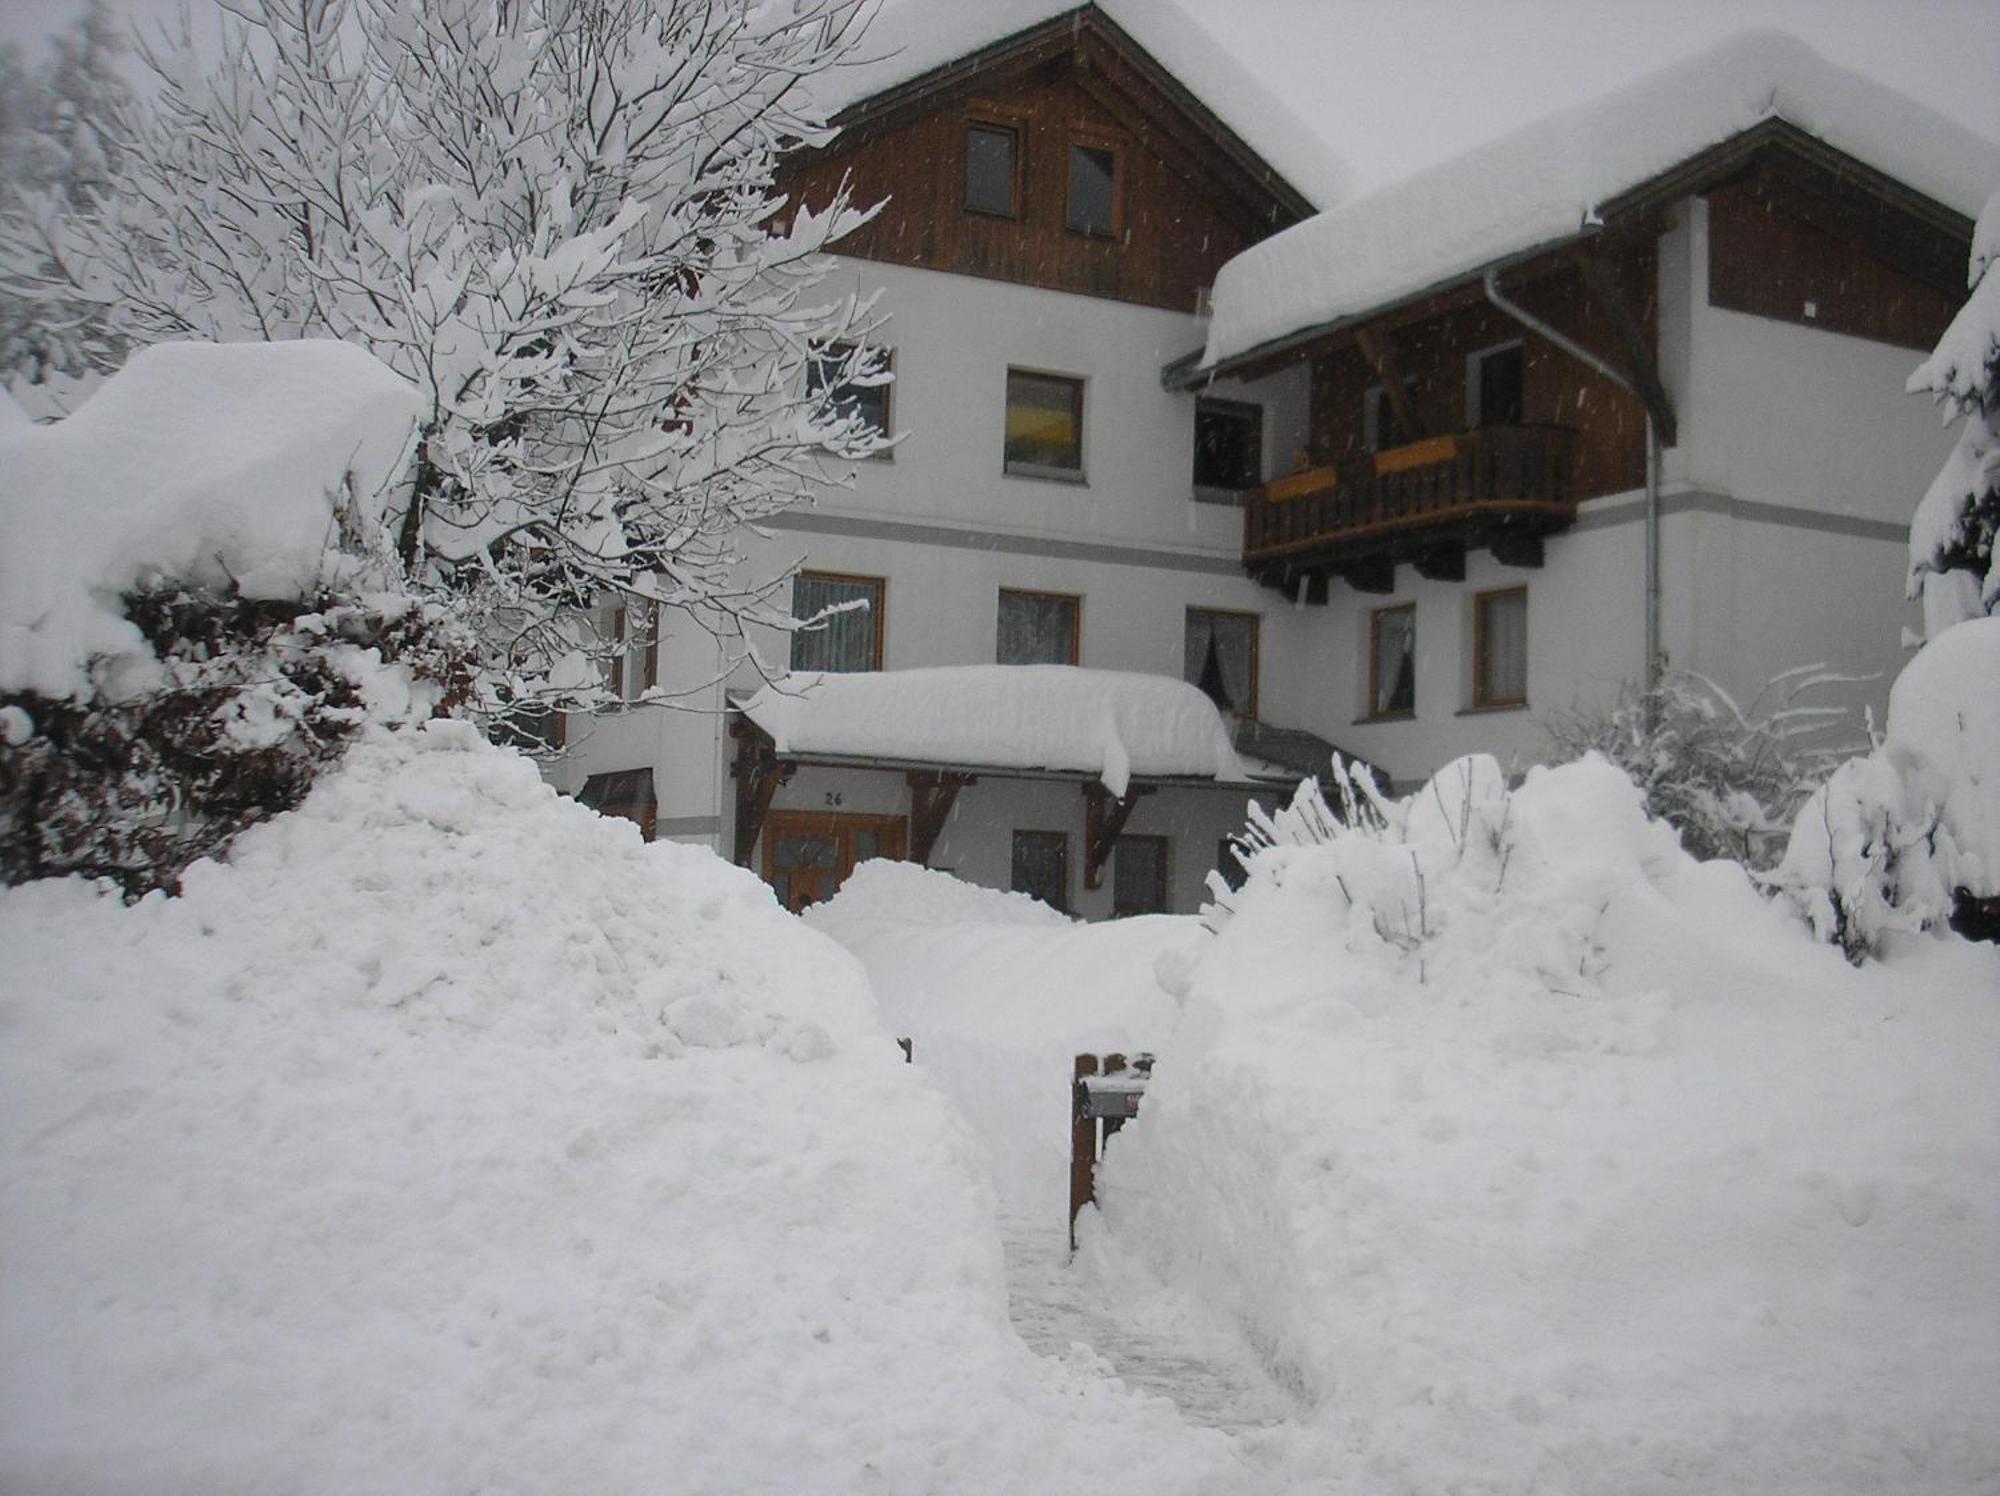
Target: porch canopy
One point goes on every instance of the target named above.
(1119, 734)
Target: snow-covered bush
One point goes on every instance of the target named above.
(1952, 563)
(195, 609)
(556, 220)
(1729, 778)
(1908, 838)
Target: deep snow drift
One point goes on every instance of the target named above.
(1540, 1157)
(450, 1138)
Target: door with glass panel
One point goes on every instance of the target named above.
(808, 854)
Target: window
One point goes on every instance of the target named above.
(1139, 876)
(867, 398)
(1493, 386)
(1381, 430)
(993, 170)
(1093, 190)
(847, 640)
(1221, 658)
(1037, 628)
(1041, 867)
(1228, 449)
(628, 793)
(1392, 652)
(627, 646)
(1044, 425)
(1500, 648)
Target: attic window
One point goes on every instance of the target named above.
(993, 170)
(1093, 190)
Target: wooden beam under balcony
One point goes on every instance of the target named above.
(1501, 486)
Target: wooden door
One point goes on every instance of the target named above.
(808, 854)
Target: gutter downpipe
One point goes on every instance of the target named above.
(1577, 351)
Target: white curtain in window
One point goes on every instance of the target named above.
(1504, 637)
(846, 641)
(1218, 659)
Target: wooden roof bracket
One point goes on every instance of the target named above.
(932, 795)
(758, 774)
(1104, 818)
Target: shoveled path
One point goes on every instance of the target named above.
(1150, 1338)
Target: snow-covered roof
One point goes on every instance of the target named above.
(909, 38)
(212, 464)
(1545, 182)
(1111, 724)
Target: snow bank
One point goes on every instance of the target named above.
(1544, 183)
(450, 1138)
(1944, 734)
(1543, 1158)
(1103, 722)
(209, 464)
(999, 994)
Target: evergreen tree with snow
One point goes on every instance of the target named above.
(1951, 537)
(557, 219)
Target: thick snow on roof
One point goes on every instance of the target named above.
(909, 38)
(206, 463)
(1544, 182)
(1104, 722)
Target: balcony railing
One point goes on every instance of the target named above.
(1429, 492)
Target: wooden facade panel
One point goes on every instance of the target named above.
(1431, 352)
(1765, 258)
(1173, 237)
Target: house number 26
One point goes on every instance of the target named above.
(833, 797)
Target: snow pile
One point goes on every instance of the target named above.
(451, 1138)
(1545, 182)
(999, 994)
(1109, 723)
(1540, 1157)
(215, 465)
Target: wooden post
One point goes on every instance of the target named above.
(932, 796)
(1082, 1145)
(1103, 819)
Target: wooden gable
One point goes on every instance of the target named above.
(1187, 193)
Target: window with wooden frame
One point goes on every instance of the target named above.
(1044, 425)
(1093, 204)
(1500, 648)
(1041, 867)
(1493, 386)
(625, 793)
(629, 646)
(1220, 656)
(1038, 628)
(993, 169)
(1392, 661)
(1139, 876)
(847, 633)
(1228, 449)
(866, 397)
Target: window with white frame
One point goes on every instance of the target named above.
(848, 632)
(1381, 428)
(1493, 386)
(1228, 449)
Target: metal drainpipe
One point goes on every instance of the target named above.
(1577, 351)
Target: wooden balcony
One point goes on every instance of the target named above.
(1426, 503)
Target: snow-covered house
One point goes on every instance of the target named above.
(1392, 495)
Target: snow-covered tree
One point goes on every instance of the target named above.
(1951, 538)
(557, 219)
(57, 138)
